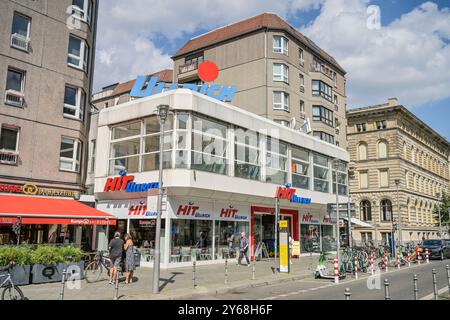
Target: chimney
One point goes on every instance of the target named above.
(392, 102)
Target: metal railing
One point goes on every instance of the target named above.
(8, 157)
(188, 67)
(14, 98)
(20, 42)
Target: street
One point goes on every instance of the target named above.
(401, 286)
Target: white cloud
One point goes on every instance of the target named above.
(127, 30)
(409, 58)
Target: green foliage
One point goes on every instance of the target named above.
(444, 207)
(18, 255)
(47, 255)
(71, 254)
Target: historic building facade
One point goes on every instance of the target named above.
(395, 152)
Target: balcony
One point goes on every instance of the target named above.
(188, 67)
(322, 69)
(20, 42)
(8, 157)
(14, 98)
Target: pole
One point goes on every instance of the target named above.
(435, 289)
(400, 238)
(448, 277)
(226, 270)
(440, 226)
(63, 281)
(347, 294)
(277, 205)
(349, 215)
(194, 284)
(157, 258)
(386, 290)
(416, 289)
(337, 213)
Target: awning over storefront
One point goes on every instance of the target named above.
(360, 223)
(36, 210)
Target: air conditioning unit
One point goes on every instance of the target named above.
(302, 115)
(20, 42)
(14, 98)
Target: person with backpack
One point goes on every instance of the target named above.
(243, 249)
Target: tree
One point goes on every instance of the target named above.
(444, 207)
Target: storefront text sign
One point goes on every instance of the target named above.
(191, 211)
(309, 218)
(143, 208)
(288, 193)
(34, 190)
(232, 213)
(125, 183)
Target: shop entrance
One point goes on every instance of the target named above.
(264, 230)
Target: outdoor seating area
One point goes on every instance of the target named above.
(187, 254)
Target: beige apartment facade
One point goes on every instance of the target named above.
(46, 67)
(401, 168)
(279, 73)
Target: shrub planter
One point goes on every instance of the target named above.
(20, 275)
(44, 274)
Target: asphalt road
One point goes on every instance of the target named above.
(400, 288)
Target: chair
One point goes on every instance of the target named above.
(186, 254)
(194, 254)
(206, 254)
(175, 256)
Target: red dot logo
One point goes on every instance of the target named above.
(208, 71)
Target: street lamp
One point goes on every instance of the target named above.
(399, 227)
(336, 165)
(163, 111)
(438, 195)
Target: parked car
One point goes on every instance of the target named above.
(437, 248)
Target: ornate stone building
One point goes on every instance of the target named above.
(395, 152)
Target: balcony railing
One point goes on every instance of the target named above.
(188, 67)
(77, 12)
(14, 98)
(20, 42)
(8, 157)
(322, 69)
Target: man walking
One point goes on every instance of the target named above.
(243, 249)
(115, 254)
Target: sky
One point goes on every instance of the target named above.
(406, 55)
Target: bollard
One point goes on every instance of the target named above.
(226, 271)
(194, 284)
(336, 271)
(386, 290)
(409, 261)
(416, 289)
(435, 289)
(116, 286)
(448, 277)
(63, 283)
(347, 293)
(427, 256)
(398, 262)
(253, 270)
(371, 264)
(355, 263)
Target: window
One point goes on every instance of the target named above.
(78, 54)
(384, 178)
(276, 161)
(302, 108)
(15, 87)
(300, 168)
(341, 178)
(320, 113)
(9, 145)
(82, 9)
(301, 56)
(302, 83)
(281, 100)
(381, 125)
(366, 238)
(382, 150)
(280, 72)
(362, 151)
(335, 100)
(93, 148)
(386, 210)
(365, 209)
(363, 180)
(74, 102)
(247, 151)
(280, 45)
(20, 33)
(321, 177)
(361, 127)
(324, 136)
(320, 88)
(70, 154)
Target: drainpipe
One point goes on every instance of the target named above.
(265, 70)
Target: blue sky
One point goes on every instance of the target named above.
(409, 57)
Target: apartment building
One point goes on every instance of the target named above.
(394, 151)
(46, 66)
(280, 74)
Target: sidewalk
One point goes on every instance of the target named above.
(177, 283)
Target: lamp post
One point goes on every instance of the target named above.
(163, 111)
(438, 195)
(336, 165)
(399, 227)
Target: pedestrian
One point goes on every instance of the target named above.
(115, 254)
(201, 241)
(130, 265)
(243, 249)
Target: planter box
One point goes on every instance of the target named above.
(44, 274)
(20, 275)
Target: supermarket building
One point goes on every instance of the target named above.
(222, 167)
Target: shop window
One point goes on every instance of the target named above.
(310, 238)
(247, 153)
(228, 234)
(191, 239)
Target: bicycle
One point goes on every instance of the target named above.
(100, 265)
(11, 291)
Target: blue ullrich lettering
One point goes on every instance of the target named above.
(227, 93)
(212, 89)
(129, 187)
(138, 87)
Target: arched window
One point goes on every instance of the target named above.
(362, 151)
(365, 210)
(386, 210)
(382, 150)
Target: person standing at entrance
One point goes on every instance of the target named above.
(129, 258)
(243, 249)
(115, 254)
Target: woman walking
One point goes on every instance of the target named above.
(129, 258)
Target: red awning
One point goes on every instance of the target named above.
(35, 210)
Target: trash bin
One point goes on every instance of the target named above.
(137, 258)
